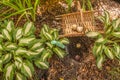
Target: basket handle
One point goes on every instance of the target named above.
(79, 9)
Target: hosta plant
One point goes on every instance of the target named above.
(107, 44)
(19, 51)
(52, 42)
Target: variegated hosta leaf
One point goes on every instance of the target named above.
(9, 71)
(64, 41)
(109, 30)
(59, 52)
(11, 46)
(6, 58)
(108, 52)
(107, 18)
(1, 36)
(19, 59)
(49, 44)
(40, 50)
(36, 45)
(25, 41)
(42, 64)
(6, 34)
(10, 26)
(55, 34)
(27, 69)
(1, 47)
(100, 61)
(102, 19)
(1, 65)
(32, 54)
(20, 51)
(116, 23)
(28, 29)
(19, 76)
(116, 34)
(101, 40)
(46, 28)
(45, 55)
(18, 65)
(92, 34)
(48, 36)
(97, 49)
(116, 50)
(18, 34)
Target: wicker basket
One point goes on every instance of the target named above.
(84, 19)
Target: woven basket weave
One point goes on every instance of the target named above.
(81, 18)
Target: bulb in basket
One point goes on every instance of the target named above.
(79, 29)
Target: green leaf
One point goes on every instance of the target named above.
(9, 72)
(36, 45)
(20, 51)
(11, 46)
(59, 52)
(116, 34)
(42, 64)
(100, 61)
(64, 41)
(25, 41)
(92, 34)
(107, 18)
(108, 52)
(101, 40)
(6, 34)
(6, 58)
(18, 65)
(48, 36)
(45, 55)
(116, 50)
(19, 76)
(1, 65)
(116, 23)
(18, 34)
(28, 29)
(40, 50)
(46, 28)
(10, 26)
(1, 47)
(97, 49)
(49, 45)
(32, 54)
(27, 69)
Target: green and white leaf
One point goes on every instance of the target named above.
(100, 61)
(10, 26)
(18, 34)
(11, 46)
(6, 34)
(25, 41)
(59, 52)
(64, 41)
(27, 69)
(36, 45)
(28, 28)
(108, 52)
(116, 34)
(6, 58)
(42, 64)
(19, 76)
(20, 51)
(9, 72)
(92, 34)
